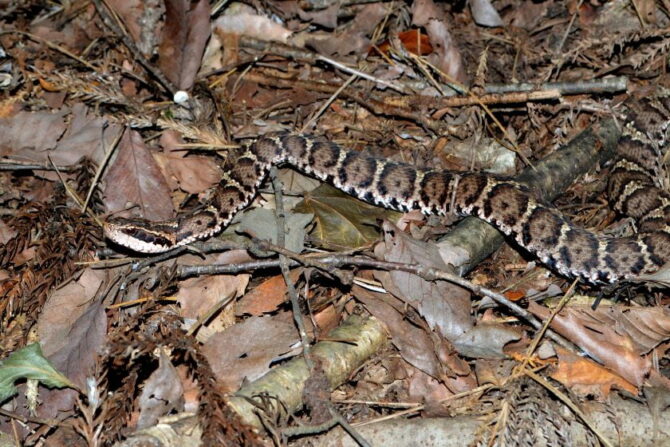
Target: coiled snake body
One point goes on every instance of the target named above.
(634, 186)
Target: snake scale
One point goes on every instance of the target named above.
(635, 190)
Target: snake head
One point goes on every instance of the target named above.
(142, 236)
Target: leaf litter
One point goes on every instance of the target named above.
(137, 339)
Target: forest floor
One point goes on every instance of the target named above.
(316, 318)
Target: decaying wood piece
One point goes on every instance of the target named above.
(625, 421)
(361, 337)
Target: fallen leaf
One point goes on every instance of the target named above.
(414, 344)
(185, 34)
(413, 40)
(244, 20)
(6, 232)
(45, 138)
(586, 377)
(72, 328)
(66, 305)
(261, 223)
(484, 14)
(27, 135)
(199, 295)
(267, 296)
(134, 17)
(443, 305)
(600, 339)
(247, 349)
(86, 137)
(194, 173)
(162, 393)
(426, 389)
(353, 39)
(486, 341)
(514, 295)
(446, 55)
(135, 178)
(341, 220)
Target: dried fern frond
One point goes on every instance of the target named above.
(91, 87)
(202, 135)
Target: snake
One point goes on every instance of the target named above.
(635, 188)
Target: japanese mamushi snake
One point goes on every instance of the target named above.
(634, 187)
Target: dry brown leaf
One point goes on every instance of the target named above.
(353, 39)
(328, 318)
(487, 340)
(48, 86)
(415, 346)
(446, 55)
(600, 339)
(27, 135)
(45, 138)
(194, 173)
(586, 377)
(185, 34)
(72, 328)
(244, 20)
(647, 10)
(86, 136)
(484, 13)
(198, 295)
(135, 178)
(443, 305)
(246, 349)
(9, 108)
(62, 309)
(424, 388)
(647, 327)
(134, 16)
(413, 40)
(6, 233)
(267, 296)
(162, 393)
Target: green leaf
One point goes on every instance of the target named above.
(343, 221)
(29, 363)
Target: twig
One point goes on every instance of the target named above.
(344, 277)
(213, 310)
(54, 46)
(17, 165)
(284, 266)
(73, 194)
(327, 103)
(111, 21)
(302, 55)
(605, 85)
(559, 48)
(540, 334)
(28, 419)
(367, 100)
(360, 74)
(336, 419)
(427, 273)
(100, 170)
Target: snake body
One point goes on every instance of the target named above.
(635, 189)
